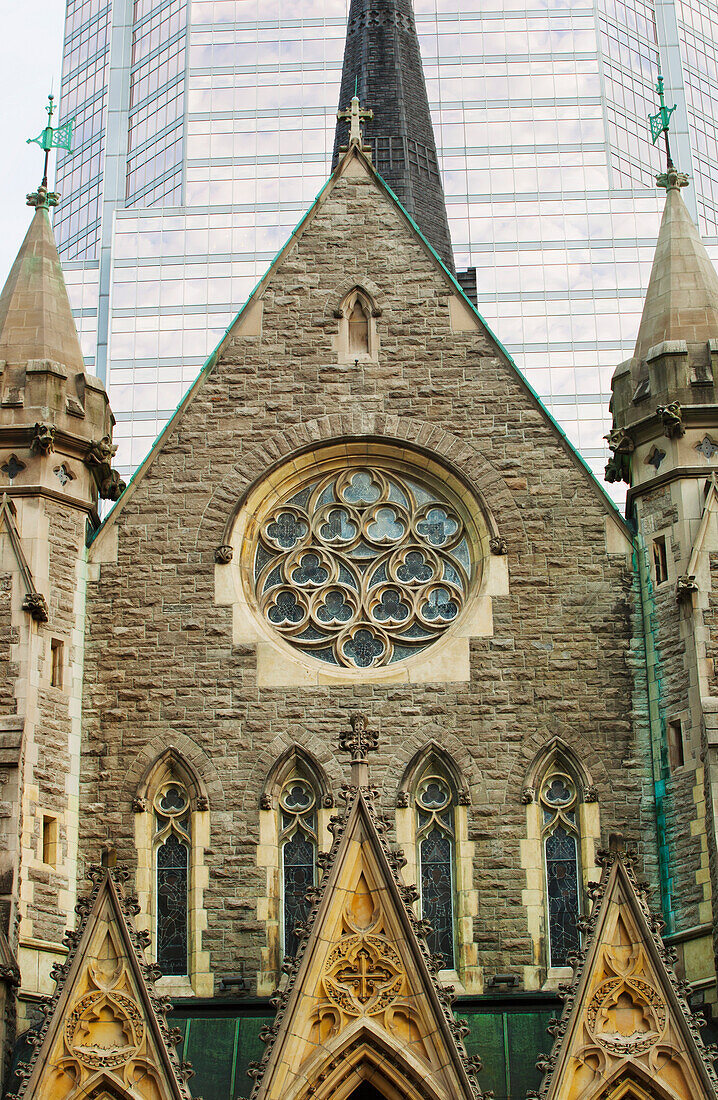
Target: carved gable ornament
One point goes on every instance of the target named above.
(626, 1029)
(105, 1033)
(362, 1001)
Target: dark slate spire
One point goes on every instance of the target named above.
(382, 63)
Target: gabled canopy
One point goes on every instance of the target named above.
(362, 1002)
(626, 1028)
(105, 1034)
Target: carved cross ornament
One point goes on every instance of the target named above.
(355, 116)
(361, 740)
(364, 976)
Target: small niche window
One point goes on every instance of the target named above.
(676, 756)
(49, 840)
(57, 661)
(172, 844)
(660, 560)
(436, 839)
(559, 810)
(298, 840)
(359, 329)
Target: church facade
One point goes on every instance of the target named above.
(372, 721)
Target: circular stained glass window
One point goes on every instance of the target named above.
(362, 566)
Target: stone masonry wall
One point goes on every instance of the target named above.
(8, 637)
(161, 666)
(53, 764)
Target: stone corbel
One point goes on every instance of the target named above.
(43, 439)
(672, 417)
(686, 585)
(498, 545)
(223, 554)
(98, 459)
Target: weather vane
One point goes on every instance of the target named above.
(661, 122)
(52, 137)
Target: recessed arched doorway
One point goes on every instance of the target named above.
(366, 1091)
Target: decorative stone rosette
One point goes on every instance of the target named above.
(362, 567)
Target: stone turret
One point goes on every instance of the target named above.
(666, 389)
(55, 462)
(665, 446)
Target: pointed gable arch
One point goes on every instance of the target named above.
(433, 755)
(362, 999)
(295, 760)
(626, 1030)
(557, 753)
(105, 1034)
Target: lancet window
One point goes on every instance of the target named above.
(560, 835)
(436, 839)
(298, 841)
(171, 847)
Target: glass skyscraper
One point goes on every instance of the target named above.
(205, 129)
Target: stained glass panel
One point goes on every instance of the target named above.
(563, 898)
(299, 857)
(437, 893)
(172, 883)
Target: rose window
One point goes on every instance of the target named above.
(363, 566)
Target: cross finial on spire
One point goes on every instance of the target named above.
(51, 137)
(355, 116)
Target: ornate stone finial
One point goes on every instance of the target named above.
(355, 116)
(672, 180)
(42, 198)
(359, 742)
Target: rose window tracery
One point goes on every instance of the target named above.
(362, 566)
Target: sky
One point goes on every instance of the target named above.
(30, 63)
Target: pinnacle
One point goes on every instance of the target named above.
(36, 321)
(682, 297)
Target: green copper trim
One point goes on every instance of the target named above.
(661, 122)
(52, 137)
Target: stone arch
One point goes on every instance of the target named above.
(334, 306)
(311, 749)
(194, 767)
(295, 758)
(465, 459)
(554, 753)
(422, 739)
(363, 1053)
(535, 750)
(434, 753)
(172, 763)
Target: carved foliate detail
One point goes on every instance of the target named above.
(105, 1017)
(624, 1007)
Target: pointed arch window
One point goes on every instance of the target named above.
(171, 848)
(435, 834)
(298, 842)
(560, 835)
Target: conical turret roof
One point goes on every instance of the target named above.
(36, 321)
(382, 65)
(682, 297)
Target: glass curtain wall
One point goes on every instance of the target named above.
(218, 135)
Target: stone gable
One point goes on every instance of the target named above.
(162, 658)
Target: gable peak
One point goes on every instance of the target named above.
(105, 1031)
(626, 1018)
(362, 997)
